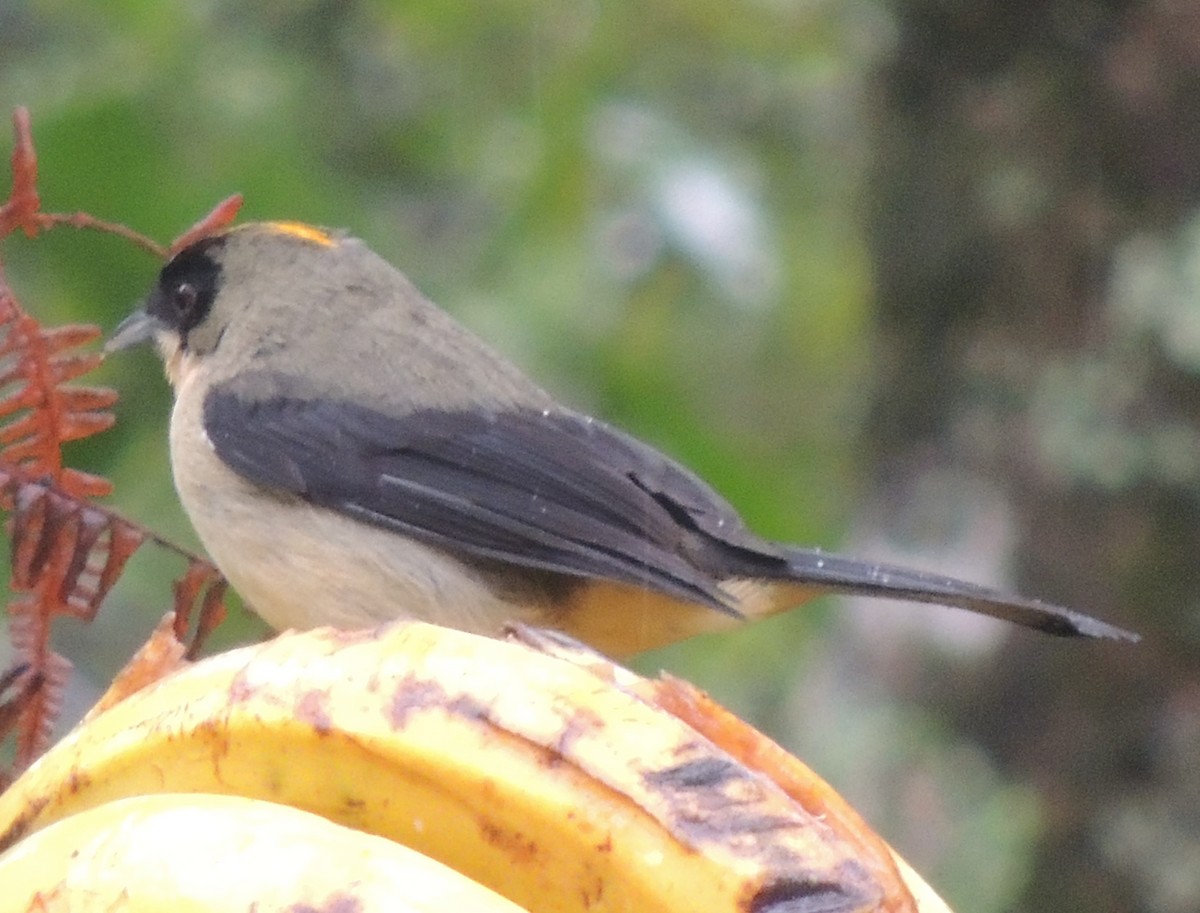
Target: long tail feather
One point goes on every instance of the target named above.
(847, 575)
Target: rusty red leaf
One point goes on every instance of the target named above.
(221, 215)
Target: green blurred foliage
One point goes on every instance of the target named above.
(656, 209)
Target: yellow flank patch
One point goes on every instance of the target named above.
(305, 232)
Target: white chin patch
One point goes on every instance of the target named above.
(176, 362)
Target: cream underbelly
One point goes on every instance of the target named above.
(302, 567)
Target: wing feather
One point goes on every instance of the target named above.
(549, 490)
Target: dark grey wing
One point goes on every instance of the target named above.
(554, 491)
(557, 492)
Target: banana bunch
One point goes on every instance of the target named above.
(416, 767)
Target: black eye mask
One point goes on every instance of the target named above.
(186, 287)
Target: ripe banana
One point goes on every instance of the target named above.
(527, 772)
(207, 853)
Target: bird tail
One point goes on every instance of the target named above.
(807, 571)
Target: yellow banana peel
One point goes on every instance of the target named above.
(538, 769)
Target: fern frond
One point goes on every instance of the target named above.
(67, 552)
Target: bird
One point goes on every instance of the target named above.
(349, 454)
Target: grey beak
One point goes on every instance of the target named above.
(135, 330)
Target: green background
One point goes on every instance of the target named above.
(910, 280)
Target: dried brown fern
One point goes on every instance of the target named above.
(67, 552)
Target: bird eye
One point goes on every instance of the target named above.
(184, 298)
